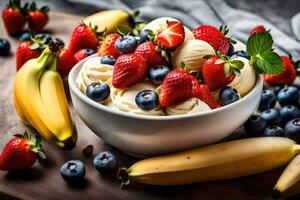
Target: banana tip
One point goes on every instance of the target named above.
(276, 194)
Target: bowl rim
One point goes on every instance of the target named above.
(73, 86)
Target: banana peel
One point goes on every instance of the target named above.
(108, 20)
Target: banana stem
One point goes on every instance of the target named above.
(123, 176)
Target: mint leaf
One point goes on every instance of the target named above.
(263, 59)
(259, 43)
(270, 63)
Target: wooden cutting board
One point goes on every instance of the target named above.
(44, 181)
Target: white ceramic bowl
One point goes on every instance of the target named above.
(142, 135)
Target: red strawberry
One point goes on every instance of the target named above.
(30, 49)
(84, 37)
(129, 69)
(172, 36)
(217, 72)
(37, 18)
(286, 77)
(107, 47)
(83, 53)
(24, 53)
(216, 38)
(21, 152)
(14, 17)
(148, 51)
(205, 96)
(66, 62)
(257, 29)
(178, 86)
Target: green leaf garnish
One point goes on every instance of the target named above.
(263, 59)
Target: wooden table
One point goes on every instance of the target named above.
(44, 181)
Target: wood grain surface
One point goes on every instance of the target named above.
(44, 181)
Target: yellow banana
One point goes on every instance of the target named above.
(27, 93)
(56, 105)
(289, 182)
(28, 100)
(216, 162)
(109, 19)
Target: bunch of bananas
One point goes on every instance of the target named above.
(216, 162)
(40, 99)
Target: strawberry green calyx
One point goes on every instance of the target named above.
(39, 43)
(296, 64)
(225, 30)
(263, 58)
(231, 65)
(16, 4)
(43, 9)
(136, 27)
(34, 143)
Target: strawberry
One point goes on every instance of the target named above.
(148, 51)
(218, 71)
(257, 29)
(129, 69)
(178, 86)
(21, 152)
(84, 37)
(37, 18)
(107, 47)
(172, 36)
(14, 17)
(286, 77)
(82, 54)
(30, 49)
(66, 62)
(205, 96)
(216, 38)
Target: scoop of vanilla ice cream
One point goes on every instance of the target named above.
(245, 82)
(190, 55)
(160, 23)
(124, 99)
(193, 105)
(93, 71)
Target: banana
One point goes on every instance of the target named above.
(216, 162)
(28, 100)
(108, 20)
(289, 182)
(56, 104)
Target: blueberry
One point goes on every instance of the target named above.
(158, 73)
(228, 95)
(288, 96)
(267, 101)
(98, 91)
(230, 50)
(146, 100)
(289, 112)
(276, 131)
(272, 116)
(4, 47)
(126, 44)
(144, 36)
(59, 42)
(255, 125)
(105, 161)
(243, 54)
(45, 36)
(292, 130)
(73, 171)
(25, 37)
(109, 60)
(277, 88)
